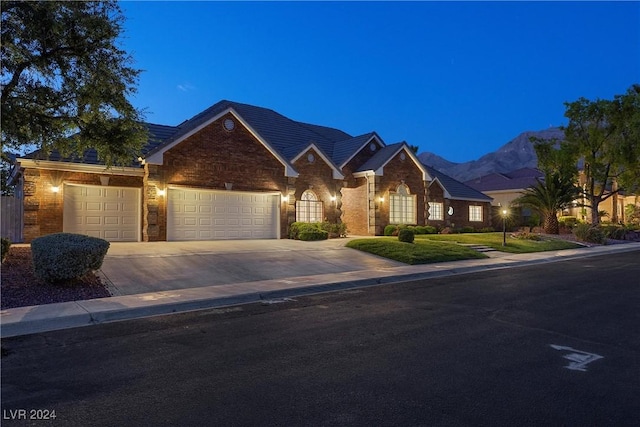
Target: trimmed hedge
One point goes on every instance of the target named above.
(311, 229)
(406, 235)
(65, 256)
(311, 235)
(6, 244)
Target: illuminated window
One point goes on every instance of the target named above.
(402, 209)
(475, 213)
(309, 208)
(435, 211)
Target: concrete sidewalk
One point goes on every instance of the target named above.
(34, 319)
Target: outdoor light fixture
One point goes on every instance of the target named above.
(504, 227)
(333, 198)
(161, 193)
(55, 189)
(381, 199)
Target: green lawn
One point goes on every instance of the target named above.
(429, 248)
(494, 240)
(422, 251)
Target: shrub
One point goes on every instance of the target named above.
(588, 233)
(298, 227)
(406, 235)
(390, 229)
(64, 256)
(525, 235)
(487, 230)
(614, 232)
(310, 235)
(334, 229)
(6, 244)
(568, 221)
(467, 229)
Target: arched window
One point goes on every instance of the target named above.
(309, 208)
(403, 208)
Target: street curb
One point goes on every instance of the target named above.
(50, 317)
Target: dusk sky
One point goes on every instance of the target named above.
(458, 79)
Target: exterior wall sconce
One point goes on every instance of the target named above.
(228, 186)
(381, 199)
(333, 198)
(55, 189)
(161, 193)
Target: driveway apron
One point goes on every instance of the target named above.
(134, 268)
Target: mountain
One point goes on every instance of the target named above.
(516, 154)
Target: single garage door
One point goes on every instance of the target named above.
(211, 215)
(111, 213)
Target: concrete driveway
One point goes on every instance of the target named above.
(134, 268)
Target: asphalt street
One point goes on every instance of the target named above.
(554, 344)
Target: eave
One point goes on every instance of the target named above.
(78, 167)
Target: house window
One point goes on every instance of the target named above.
(435, 211)
(402, 206)
(475, 213)
(309, 208)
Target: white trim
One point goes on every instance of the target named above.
(79, 167)
(374, 136)
(336, 173)
(157, 157)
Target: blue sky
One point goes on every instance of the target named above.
(458, 79)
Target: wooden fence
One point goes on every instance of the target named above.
(11, 218)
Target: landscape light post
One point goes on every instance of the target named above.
(504, 227)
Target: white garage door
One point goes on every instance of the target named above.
(111, 213)
(212, 215)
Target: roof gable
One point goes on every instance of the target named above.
(336, 172)
(379, 160)
(201, 121)
(345, 150)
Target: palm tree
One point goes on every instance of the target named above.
(549, 196)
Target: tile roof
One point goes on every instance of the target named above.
(456, 189)
(344, 149)
(157, 135)
(516, 180)
(286, 136)
(381, 157)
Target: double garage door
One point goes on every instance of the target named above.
(110, 213)
(114, 213)
(212, 215)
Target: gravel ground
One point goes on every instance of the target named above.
(20, 287)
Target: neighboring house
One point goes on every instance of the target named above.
(614, 207)
(504, 188)
(237, 171)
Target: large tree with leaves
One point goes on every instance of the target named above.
(605, 136)
(66, 81)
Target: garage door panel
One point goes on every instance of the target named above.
(109, 213)
(221, 215)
